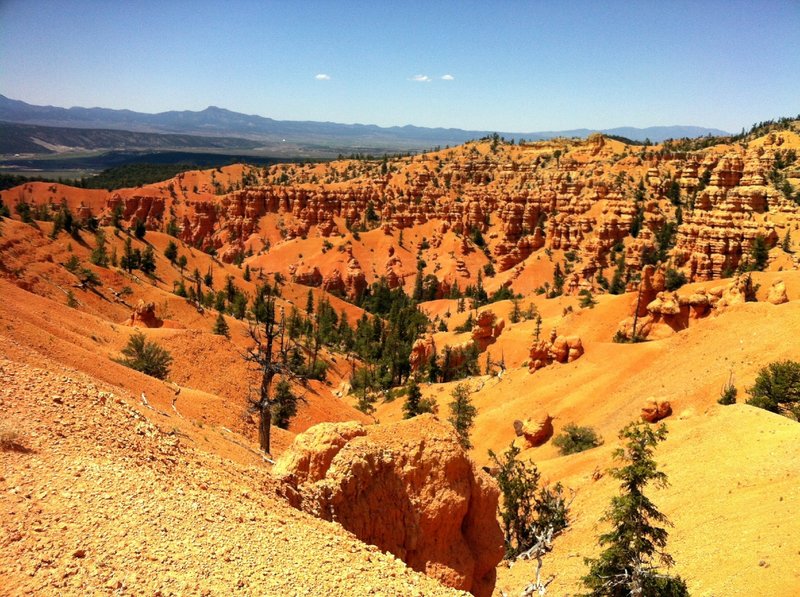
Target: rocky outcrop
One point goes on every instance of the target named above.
(486, 329)
(144, 316)
(536, 430)
(422, 351)
(307, 275)
(654, 410)
(740, 290)
(408, 488)
(671, 312)
(351, 284)
(587, 200)
(560, 349)
(777, 293)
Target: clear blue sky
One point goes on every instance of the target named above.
(512, 66)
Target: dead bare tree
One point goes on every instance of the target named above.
(264, 331)
(269, 355)
(543, 546)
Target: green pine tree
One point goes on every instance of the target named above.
(284, 404)
(171, 252)
(462, 414)
(220, 325)
(635, 545)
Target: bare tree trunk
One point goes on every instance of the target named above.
(264, 427)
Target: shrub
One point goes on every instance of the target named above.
(777, 389)
(10, 439)
(145, 356)
(674, 279)
(576, 439)
(728, 394)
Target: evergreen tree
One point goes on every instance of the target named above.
(148, 261)
(759, 254)
(171, 252)
(99, 254)
(246, 275)
(417, 294)
(777, 388)
(618, 281)
(462, 414)
(284, 406)
(145, 356)
(221, 326)
(116, 216)
(139, 229)
(587, 300)
(415, 404)
(558, 281)
(527, 511)
(128, 262)
(310, 303)
(516, 312)
(634, 547)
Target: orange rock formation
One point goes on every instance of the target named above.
(408, 488)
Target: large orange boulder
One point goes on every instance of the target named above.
(144, 316)
(536, 430)
(561, 349)
(304, 274)
(777, 293)
(406, 487)
(655, 410)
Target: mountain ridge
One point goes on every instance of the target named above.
(215, 120)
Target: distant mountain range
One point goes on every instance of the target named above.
(242, 131)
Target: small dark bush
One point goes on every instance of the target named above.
(576, 439)
(728, 394)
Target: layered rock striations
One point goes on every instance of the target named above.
(584, 197)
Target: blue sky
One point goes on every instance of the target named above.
(512, 66)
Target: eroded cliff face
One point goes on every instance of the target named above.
(581, 197)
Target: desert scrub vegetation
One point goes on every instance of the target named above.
(146, 356)
(10, 439)
(727, 395)
(576, 439)
(777, 389)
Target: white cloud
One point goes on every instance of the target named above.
(323, 77)
(448, 78)
(421, 79)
